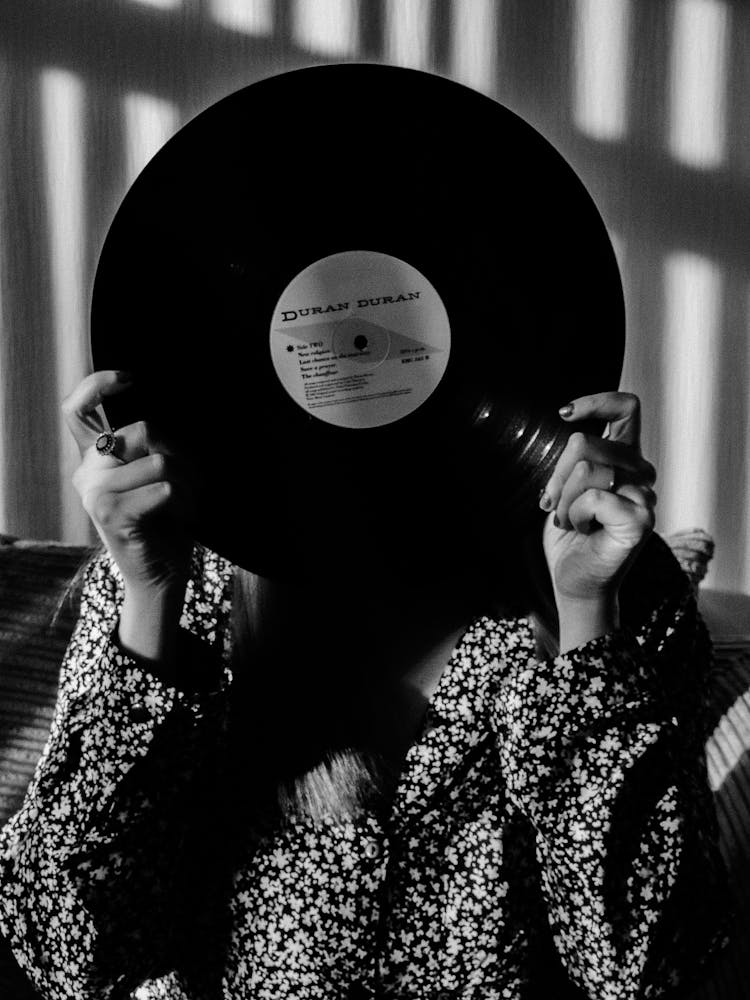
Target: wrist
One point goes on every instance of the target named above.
(149, 621)
(584, 619)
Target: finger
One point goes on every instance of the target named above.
(641, 495)
(628, 464)
(131, 442)
(621, 410)
(625, 521)
(101, 478)
(118, 514)
(692, 540)
(80, 408)
(586, 475)
(137, 440)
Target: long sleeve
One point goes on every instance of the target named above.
(602, 753)
(90, 866)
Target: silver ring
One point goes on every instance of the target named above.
(613, 481)
(105, 443)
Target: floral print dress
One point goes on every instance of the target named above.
(547, 836)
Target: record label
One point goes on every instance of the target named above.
(360, 339)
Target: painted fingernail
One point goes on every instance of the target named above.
(545, 500)
(566, 411)
(124, 377)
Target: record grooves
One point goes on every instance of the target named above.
(438, 410)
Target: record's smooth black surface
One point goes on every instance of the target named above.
(346, 158)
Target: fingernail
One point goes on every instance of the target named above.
(566, 411)
(124, 377)
(556, 521)
(545, 501)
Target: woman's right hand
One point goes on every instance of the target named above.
(140, 505)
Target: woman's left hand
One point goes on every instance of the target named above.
(601, 502)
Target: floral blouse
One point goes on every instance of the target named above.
(551, 826)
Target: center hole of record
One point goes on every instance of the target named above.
(360, 342)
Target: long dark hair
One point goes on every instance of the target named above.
(299, 725)
(291, 710)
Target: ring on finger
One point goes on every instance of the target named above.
(105, 443)
(612, 480)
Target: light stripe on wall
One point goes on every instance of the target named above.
(698, 82)
(474, 43)
(407, 33)
(5, 374)
(601, 57)
(330, 27)
(62, 106)
(149, 122)
(690, 366)
(163, 4)
(745, 505)
(253, 17)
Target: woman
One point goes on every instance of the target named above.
(243, 796)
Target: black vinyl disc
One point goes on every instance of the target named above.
(354, 297)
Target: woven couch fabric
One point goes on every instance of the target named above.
(34, 631)
(728, 758)
(36, 619)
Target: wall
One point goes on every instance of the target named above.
(649, 101)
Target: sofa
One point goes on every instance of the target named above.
(38, 606)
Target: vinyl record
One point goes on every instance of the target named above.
(354, 297)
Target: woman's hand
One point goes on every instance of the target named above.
(140, 506)
(601, 505)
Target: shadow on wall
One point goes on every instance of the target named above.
(648, 101)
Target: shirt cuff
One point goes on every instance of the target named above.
(115, 723)
(198, 664)
(548, 702)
